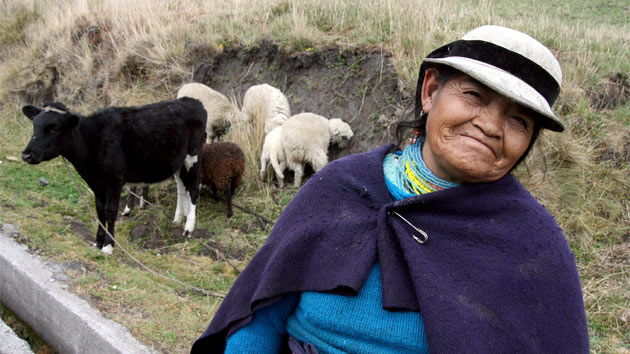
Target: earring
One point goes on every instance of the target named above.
(415, 133)
(414, 136)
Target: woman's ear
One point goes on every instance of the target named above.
(430, 87)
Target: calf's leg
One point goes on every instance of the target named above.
(100, 211)
(182, 202)
(190, 176)
(144, 197)
(131, 201)
(110, 213)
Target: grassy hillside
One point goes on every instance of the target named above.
(93, 53)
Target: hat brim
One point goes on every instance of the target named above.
(506, 84)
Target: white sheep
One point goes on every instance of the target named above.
(265, 103)
(273, 151)
(305, 138)
(221, 112)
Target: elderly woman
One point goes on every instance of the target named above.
(436, 248)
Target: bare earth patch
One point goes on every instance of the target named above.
(359, 86)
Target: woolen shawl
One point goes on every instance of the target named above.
(496, 275)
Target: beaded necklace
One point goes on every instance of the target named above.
(414, 175)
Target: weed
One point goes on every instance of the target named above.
(24, 331)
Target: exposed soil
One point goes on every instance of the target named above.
(81, 228)
(360, 86)
(613, 91)
(618, 155)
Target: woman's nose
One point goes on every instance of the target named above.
(490, 120)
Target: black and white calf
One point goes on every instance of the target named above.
(119, 145)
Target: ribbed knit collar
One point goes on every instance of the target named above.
(406, 174)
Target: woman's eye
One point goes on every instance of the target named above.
(473, 94)
(521, 122)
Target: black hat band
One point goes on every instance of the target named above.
(514, 63)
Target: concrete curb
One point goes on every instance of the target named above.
(67, 323)
(10, 343)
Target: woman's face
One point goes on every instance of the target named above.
(473, 134)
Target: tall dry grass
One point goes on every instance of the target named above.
(100, 50)
(250, 136)
(96, 53)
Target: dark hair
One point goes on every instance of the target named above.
(419, 122)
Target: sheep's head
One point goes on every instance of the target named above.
(340, 132)
(218, 132)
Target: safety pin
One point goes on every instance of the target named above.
(424, 234)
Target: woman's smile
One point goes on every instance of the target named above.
(477, 143)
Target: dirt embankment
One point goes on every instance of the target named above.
(360, 86)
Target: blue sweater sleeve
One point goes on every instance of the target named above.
(267, 330)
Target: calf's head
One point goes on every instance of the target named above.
(52, 126)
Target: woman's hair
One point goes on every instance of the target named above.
(419, 122)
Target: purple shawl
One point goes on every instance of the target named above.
(496, 275)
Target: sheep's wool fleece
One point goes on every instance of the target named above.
(496, 275)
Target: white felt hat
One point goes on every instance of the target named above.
(509, 62)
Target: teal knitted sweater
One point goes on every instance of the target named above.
(333, 324)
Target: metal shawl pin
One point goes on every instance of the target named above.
(424, 234)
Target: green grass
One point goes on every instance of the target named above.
(572, 12)
(13, 25)
(581, 176)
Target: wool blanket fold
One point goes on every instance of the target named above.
(495, 276)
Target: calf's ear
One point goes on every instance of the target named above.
(30, 111)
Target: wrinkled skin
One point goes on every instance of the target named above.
(473, 134)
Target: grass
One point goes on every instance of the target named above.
(23, 331)
(90, 54)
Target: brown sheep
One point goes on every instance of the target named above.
(222, 167)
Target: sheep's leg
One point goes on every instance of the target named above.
(319, 160)
(278, 168)
(298, 170)
(215, 195)
(263, 167)
(229, 193)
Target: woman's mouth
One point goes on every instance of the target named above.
(479, 142)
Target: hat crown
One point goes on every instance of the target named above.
(520, 43)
